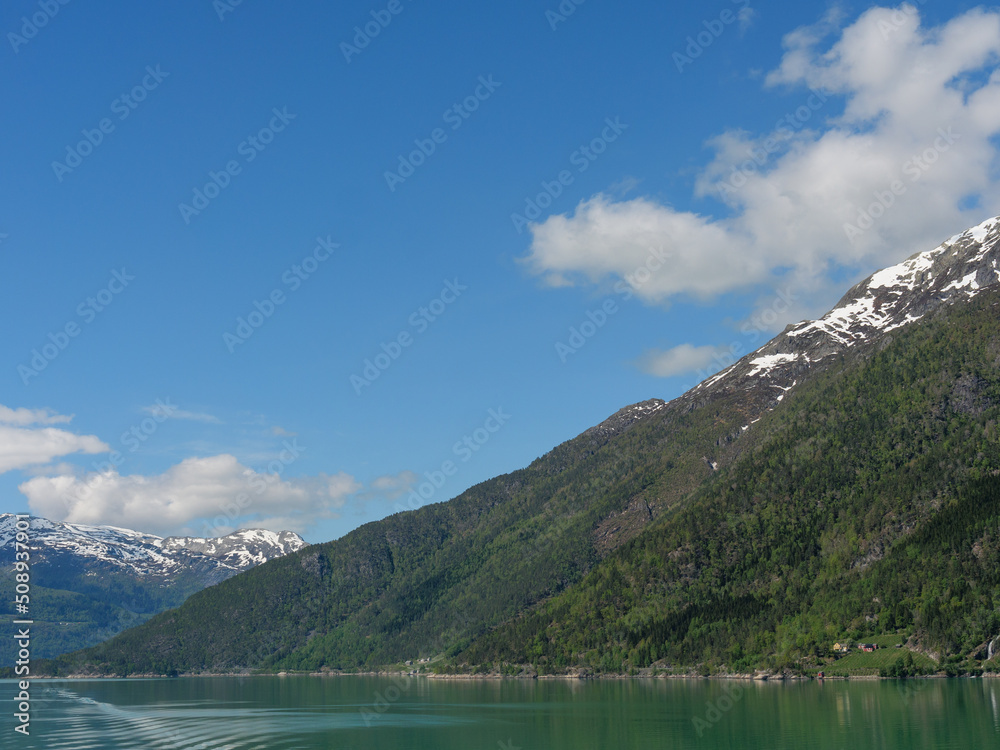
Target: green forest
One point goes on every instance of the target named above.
(864, 504)
(869, 505)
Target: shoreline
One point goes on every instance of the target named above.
(758, 677)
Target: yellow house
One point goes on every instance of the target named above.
(841, 648)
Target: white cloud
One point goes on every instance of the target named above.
(921, 108)
(612, 239)
(53, 470)
(391, 486)
(340, 486)
(196, 488)
(25, 417)
(677, 361)
(24, 443)
(170, 411)
(624, 186)
(202, 496)
(746, 18)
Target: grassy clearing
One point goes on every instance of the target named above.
(859, 663)
(885, 641)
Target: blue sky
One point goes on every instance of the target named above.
(457, 194)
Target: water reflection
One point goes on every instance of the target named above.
(993, 703)
(844, 709)
(306, 713)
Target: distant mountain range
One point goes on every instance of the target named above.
(840, 483)
(90, 582)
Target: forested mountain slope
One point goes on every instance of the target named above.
(742, 523)
(869, 503)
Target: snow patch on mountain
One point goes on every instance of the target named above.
(967, 282)
(979, 233)
(906, 275)
(769, 361)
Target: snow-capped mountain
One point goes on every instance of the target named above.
(956, 270)
(152, 556)
(90, 582)
(240, 550)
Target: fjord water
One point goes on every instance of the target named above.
(362, 712)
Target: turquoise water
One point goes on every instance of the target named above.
(361, 712)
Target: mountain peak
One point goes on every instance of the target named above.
(957, 269)
(241, 549)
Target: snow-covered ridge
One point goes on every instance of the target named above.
(241, 549)
(957, 269)
(859, 324)
(150, 555)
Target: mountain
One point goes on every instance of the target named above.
(149, 556)
(840, 482)
(859, 497)
(90, 582)
(955, 271)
